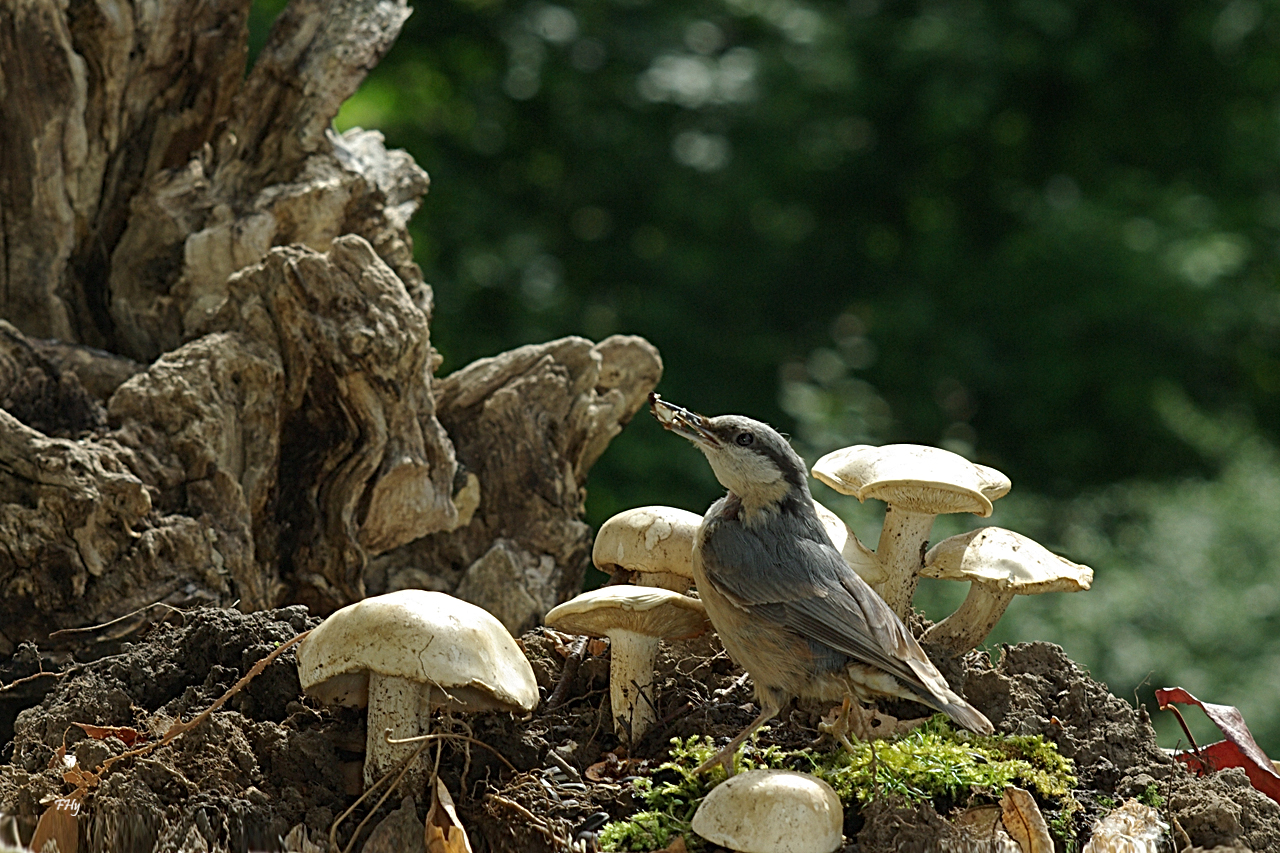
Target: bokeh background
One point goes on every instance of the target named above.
(1040, 233)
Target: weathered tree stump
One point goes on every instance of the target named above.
(217, 374)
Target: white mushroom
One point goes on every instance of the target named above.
(772, 811)
(635, 619)
(859, 557)
(656, 542)
(1131, 828)
(918, 483)
(407, 653)
(999, 564)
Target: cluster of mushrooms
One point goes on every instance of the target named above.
(653, 546)
(920, 483)
(373, 652)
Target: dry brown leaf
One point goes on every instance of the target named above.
(560, 641)
(1023, 821)
(615, 766)
(73, 773)
(676, 846)
(125, 734)
(59, 825)
(983, 825)
(444, 832)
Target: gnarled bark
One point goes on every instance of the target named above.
(218, 384)
(528, 424)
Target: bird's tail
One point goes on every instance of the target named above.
(934, 691)
(968, 716)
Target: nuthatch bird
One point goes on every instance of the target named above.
(786, 605)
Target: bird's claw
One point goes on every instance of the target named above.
(726, 758)
(863, 724)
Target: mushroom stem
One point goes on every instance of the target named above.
(632, 656)
(397, 704)
(900, 552)
(973, 620)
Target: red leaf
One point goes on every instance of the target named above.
(1238, 750)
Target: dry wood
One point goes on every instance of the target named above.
(218, 381)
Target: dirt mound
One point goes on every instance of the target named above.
(269, 763)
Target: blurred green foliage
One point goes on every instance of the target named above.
(1042, 233)
(996, 226)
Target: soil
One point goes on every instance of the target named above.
(270, 765)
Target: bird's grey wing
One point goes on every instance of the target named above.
(806, 586)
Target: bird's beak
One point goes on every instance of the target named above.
(682, 422)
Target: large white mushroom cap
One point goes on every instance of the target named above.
(914, 477)
(999, 564)
(772, 811)
(654, 541)
(918, 483)
(1005, 560)
(462, 651)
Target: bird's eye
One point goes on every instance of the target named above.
(745, 439)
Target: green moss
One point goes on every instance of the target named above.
(646, 830)
(1062, 827)
(934, 762)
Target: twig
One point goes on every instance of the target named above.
(723, 692)
(676, 714)
(178, 727)
(404, 768)
(31, 677)
(567, 675)
(568, 769)
(108, 624)
(530, 818)
(1194, 746)
(442, 735)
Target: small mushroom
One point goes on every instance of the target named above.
(859, 557)
(406, 654)
(655, 542)
(918, 483)
(772, 811)
(635, 619)
(999, 564)
(1131, 828)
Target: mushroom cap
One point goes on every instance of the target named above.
(648, 539)
(913, 477)
(772, 811)
(859, 557)
(651, 611)
(461, 650)
(1005, 560)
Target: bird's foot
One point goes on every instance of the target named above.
(848, 719)
(726, 758)
(853, 720)
(738, 682)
